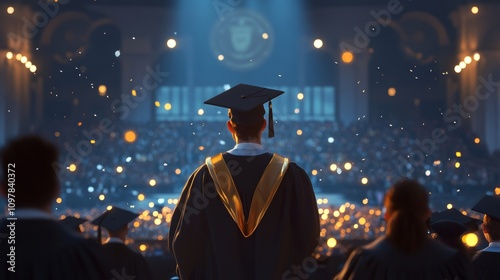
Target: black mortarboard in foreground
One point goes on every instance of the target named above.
(452, 223)
(489, 205)
(246, 104)
(113, 220)
(73, 222)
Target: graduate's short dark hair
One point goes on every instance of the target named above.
(492, 225)
(247, 131)
(34, 181)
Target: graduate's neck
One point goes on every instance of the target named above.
(46, 208)
(121, 233)
(256, 141)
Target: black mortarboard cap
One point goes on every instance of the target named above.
(246, 104)
(489, 205)
(452, 223)
(113, 220)
(72, 222)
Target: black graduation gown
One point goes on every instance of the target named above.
(486, 265)
(381, 260)
(208, 244)
(122, 257)
(47, 250)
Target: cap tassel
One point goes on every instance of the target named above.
(99, 234)
(271, 121)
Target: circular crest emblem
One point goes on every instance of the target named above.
(242, 40)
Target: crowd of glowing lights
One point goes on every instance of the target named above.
(340, 225)
(137, 160)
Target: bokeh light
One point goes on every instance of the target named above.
(497, 191)
(470, 239)
(300, 96)
(152, 182)
(347, 166)
(10, 10)
(332, 242)
(171, 43)
(318, 43)
(102, 90)
(347, 57)
(140, 197)
(477, 56)
(474, 9)
(130, 136)
(72, 167)
(9, 55)
(449, 206)
(102, 197)
(391, 91)
(333, 167)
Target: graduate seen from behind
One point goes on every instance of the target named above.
(125, 263)
(486, 261)
(44, 249)
(245, 213)
(406, 251)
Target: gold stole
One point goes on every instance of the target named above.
(263, 195)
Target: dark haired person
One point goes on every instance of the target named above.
(43, 248)
(406, 251)
(245, 213)
(485, 262)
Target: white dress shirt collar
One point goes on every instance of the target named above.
(247, 149)
(114, 240)
(31, 213)
(493, 247)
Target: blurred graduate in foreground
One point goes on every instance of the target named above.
(44, 248)
(406, 251)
